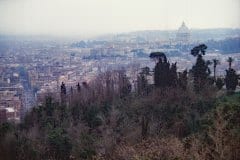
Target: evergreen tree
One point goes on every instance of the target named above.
(231, 80)
(173, 77)
(164, 74)
(200, 70)
(183, 80)
(63, 93)
(230, 60)
(63, 89)
(59, 146)
(78, 87)
(219, 83)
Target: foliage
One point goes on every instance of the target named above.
(231, 80)
(105, 119)
(59, 146)
(164, 74)
(200, 70)
(219, 83)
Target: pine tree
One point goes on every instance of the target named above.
(63, 93)
(230, 60)
(200, 70)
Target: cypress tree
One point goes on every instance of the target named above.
(164, 74)
(231, 80)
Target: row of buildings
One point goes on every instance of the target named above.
(11, 103)
(29, 71)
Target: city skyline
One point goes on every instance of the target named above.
(91, 18)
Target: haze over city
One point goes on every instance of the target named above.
(119, 79)
(94, 17)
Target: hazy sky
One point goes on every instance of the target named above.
(89, 17)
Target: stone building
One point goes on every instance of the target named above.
(183, 34)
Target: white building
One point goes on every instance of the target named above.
(183, 34)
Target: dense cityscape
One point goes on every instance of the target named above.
(32, 69)
(119, 80)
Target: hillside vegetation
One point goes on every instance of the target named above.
(182, 116)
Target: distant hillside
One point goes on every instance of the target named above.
(196, 34)
(230, 45)
(216, 34)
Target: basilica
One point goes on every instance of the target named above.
(183, 34)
